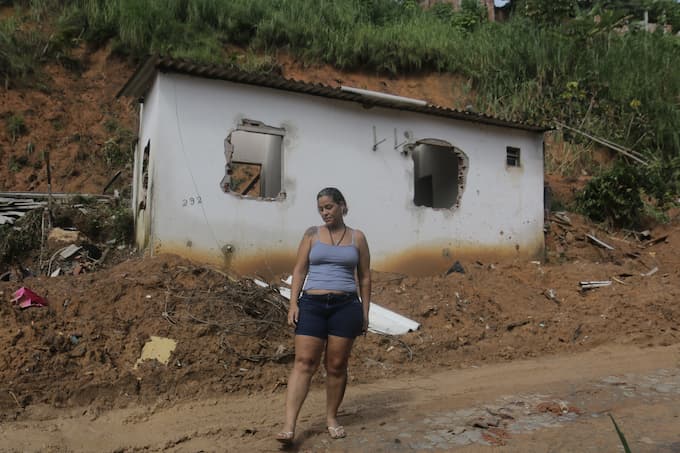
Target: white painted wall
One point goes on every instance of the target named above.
(149, 130)
(329, 143)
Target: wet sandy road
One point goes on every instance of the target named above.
(555, 404)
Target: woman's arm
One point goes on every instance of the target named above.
(364, 274)
(299, 274)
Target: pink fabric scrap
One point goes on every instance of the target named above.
(24, 298)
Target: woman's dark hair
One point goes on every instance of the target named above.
(335, 195)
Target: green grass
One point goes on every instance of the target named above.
(15, 127)
(18, 52)
(580, 72)
(622, 438)
(118, 149)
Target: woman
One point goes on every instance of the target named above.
(333, 262)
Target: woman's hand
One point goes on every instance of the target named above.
(365, 327)
(293, 313)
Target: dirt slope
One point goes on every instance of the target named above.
(75, 117)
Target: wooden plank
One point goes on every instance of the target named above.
(54, 195)
(599, 242)
(625, 151)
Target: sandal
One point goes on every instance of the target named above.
(285, 437)
(336, 432)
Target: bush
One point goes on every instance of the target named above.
(15, 127)
(19, 53)
(548, 11)
(625, 194)
(613, 197)
(118, 150)
(18, 240)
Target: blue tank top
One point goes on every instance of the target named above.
(331, 267)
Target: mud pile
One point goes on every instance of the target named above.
(231, 335)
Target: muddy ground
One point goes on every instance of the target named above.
(82, 348)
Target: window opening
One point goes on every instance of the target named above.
(145, 165)
(145, 175)
(254, 161)
(439, 174)
(512, 156)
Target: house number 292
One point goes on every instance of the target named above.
(191, 201)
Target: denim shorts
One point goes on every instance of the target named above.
(321, 315)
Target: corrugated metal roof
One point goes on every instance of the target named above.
(143, 77)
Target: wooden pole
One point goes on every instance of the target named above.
(625, 151)
(49, 189)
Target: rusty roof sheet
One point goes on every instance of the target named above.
(143, 77)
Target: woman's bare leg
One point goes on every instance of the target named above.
(307, 358)
(337, 355)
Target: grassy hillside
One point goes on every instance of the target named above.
(591, 68)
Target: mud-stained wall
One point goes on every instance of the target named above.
(331, 143)
(418, 261)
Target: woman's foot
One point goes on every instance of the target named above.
(336, 432)
(285, 437)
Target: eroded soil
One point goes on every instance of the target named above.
(79, 353)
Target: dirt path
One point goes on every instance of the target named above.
(549, 404)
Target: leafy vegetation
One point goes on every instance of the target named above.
(118, 149)
(15, 127)
(626, 194)
(613, 196)
(19, 56)
(17, 240)
(622, 438)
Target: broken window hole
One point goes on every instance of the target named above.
(254, 161)
(439, 174)
(145, 175)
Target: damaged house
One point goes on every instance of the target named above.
(228, 165)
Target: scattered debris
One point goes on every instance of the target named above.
(69, 251)
(556, 408)
(429, 311)
(486, 422)
(551, 295)
(652, 271)
(24, 298)
(260, 283)
(512, 325)
(594, 284)
(16, 274)
(64, 236)
(561, 217)
(76, 259)
(157, 348)
(456, 267)
(655, 241)
(599, 242)
(12, 208)
(380, 319)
